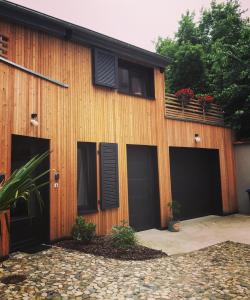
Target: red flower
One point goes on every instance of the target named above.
(209, 99)
(188, 92)
(205, 98)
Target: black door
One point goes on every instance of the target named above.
(28, 230)
(143, 193)
(195, 181)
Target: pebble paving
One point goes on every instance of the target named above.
(221, 271)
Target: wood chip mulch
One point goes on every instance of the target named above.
(13, 279)
(101, 246)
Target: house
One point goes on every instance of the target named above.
(120, 149)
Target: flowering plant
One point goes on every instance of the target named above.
(205, 101)
(186, 92)
(205, 98)
(184, 95)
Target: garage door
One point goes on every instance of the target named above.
(195, 181)
(144, 210)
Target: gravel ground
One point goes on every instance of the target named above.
(217, 272)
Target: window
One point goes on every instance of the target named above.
(129, 78)
(3, 46)
(86, 177)
(135, 80)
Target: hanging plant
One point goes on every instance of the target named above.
(184, 95)
(205, 101)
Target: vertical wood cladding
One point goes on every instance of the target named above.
(88, 113)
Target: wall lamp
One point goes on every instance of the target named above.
(197, 138)
(34, 120)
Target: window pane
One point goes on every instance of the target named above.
(123, 80)
(136, 86)
(86, 177)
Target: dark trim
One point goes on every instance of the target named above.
(136, 96)
(62, 29)
(21, 68)
(82, 212)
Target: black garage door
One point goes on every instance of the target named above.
(144, 208)
(195, 181)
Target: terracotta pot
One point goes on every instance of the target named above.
(174, 226)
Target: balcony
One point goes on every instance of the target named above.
(193, 111)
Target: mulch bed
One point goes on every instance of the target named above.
(13, 279)
(101, 246)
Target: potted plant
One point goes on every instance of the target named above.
(174, 221)
(205, 101)
(184, 95)
(21, 184)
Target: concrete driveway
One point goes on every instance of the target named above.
(198, 233)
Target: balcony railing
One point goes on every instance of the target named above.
(193, 111)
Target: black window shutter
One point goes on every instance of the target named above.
(105, 68)
(109, 175)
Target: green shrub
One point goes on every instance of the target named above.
(83, 231)
(123, 236)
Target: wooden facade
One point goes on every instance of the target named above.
(87, 113)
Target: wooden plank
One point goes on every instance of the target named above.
(86, 113)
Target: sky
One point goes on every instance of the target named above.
(138, 22)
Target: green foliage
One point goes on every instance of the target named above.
(213, 57)
(123, 236)
(83, 231)
(175, 210)
(187, 31)
(22, 184)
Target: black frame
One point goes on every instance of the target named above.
(30, 230)
(196, 181)
(92, 192)
(153, 173)
(143, 73)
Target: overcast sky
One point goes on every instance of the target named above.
(138, 22)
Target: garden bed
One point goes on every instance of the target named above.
(101, 246)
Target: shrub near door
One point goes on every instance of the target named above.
(83, 231)
(123, 236)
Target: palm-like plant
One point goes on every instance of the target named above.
(21, 184)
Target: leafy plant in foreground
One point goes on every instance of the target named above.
(123, 236)
(22, 185)
(83, 231)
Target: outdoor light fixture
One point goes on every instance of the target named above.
(197, 138)
(34, 120)
(56, 177)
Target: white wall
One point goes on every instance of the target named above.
(242, 154)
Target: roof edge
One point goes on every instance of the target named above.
(39, 21)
